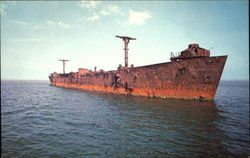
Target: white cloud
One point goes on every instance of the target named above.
(109, 9)
(2, 10)
(63, 25)
(96, 10)
(51, 23)
(89, 4)
(59, 24)
(37, 27)
(93, 18)
(19, 22)
(137, 18)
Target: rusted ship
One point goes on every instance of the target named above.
(192, 74)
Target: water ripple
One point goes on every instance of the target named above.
(39, 120)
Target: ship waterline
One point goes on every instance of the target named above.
(191, 75)
(184, 94)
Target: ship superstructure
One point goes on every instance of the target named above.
(192, 74)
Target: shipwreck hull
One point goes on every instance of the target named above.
(192, 78)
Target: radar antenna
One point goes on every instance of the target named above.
(126, 41)
(63, 60)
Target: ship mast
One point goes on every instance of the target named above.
(63, 60)
(126, 41)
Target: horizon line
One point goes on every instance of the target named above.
(48, 80)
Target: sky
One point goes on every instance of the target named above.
(35, 34)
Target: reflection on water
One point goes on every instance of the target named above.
(39, 120)
(186, 126)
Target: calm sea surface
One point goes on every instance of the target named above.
(39, 120)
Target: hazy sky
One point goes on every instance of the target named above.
(34, 35)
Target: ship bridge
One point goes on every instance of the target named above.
(193, 51)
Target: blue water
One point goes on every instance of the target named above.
(39, 120)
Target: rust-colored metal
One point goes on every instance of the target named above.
(192, 75)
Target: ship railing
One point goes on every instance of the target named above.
(173, 55)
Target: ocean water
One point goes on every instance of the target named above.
(40, 120)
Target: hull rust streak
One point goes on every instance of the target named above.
(193, 74)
